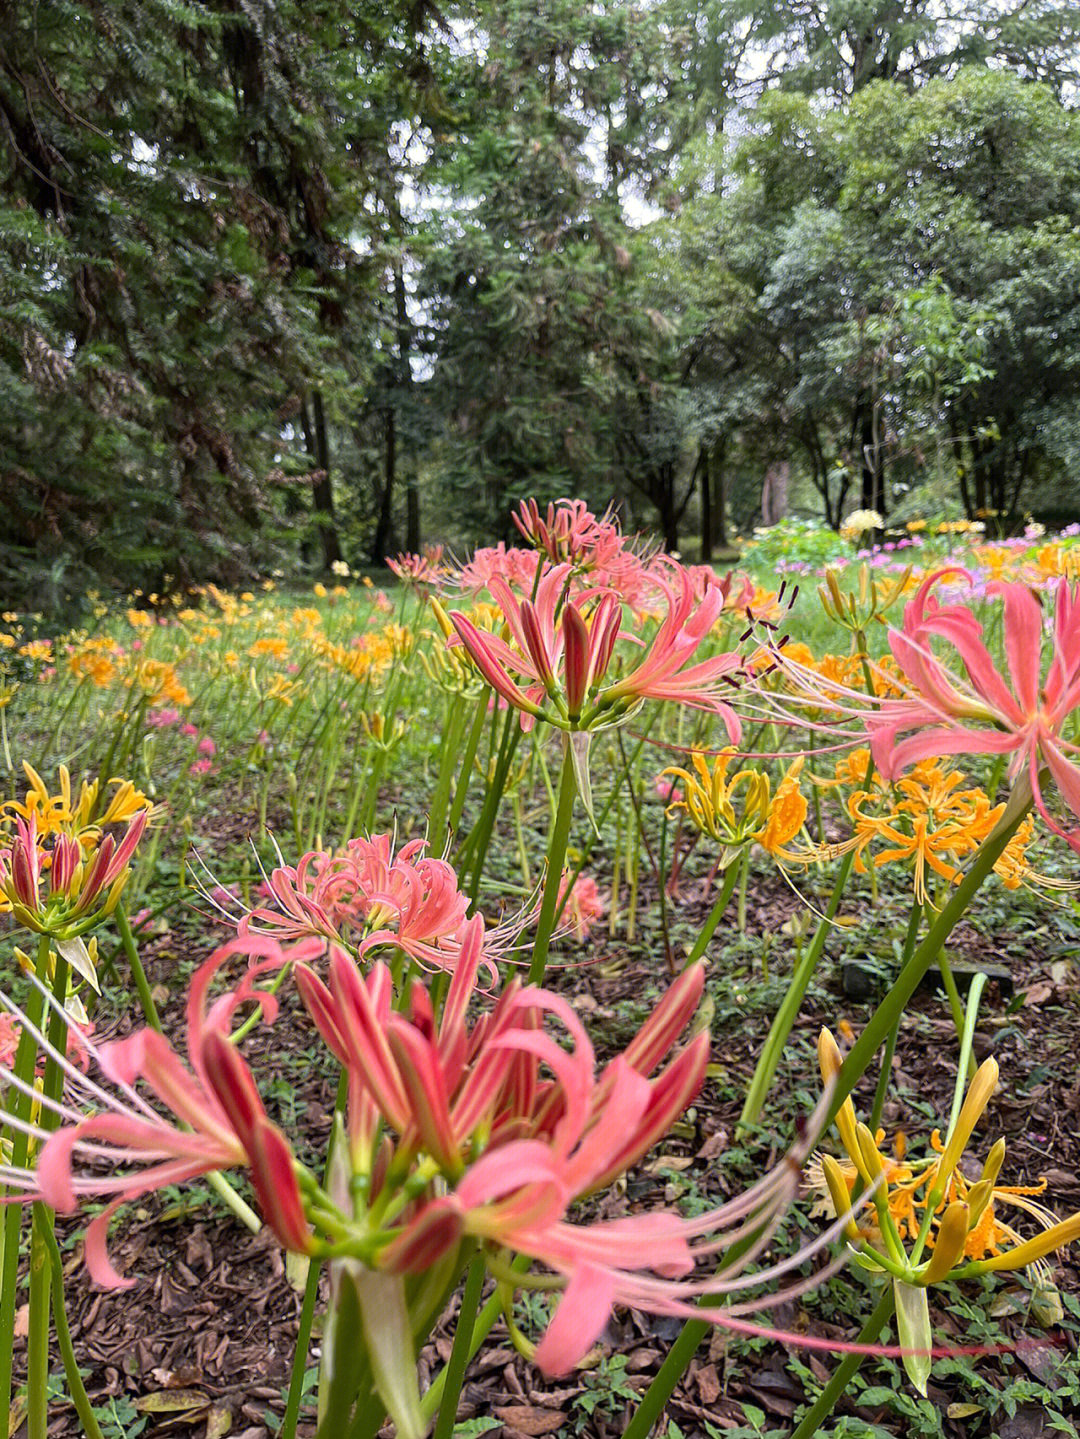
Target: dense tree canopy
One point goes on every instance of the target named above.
(288, 282)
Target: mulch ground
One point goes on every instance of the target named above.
(201, 1345)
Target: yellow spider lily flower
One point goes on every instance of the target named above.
(949, 1245)
(787, 813)
(923, 1201)
(870, 601)
(1013, 869)
(925, 822)
(741, 809)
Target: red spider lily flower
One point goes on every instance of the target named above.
(420, 571)
(580, 647)
(79, 892)
(448, 1091)
(520, 1148)
(982, 712)
(225, 1123)
(369, 898)
(569, 531)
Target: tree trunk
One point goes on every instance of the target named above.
(959, 464)
(664, 500)
(704, 467)
(404, 384)
(873, 488)
(322, 493)
(383, 542)
(718, 480)
(774, 489)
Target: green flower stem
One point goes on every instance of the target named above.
(311, 1294)
(77, 1389)
(967, 1043)
(359, 792)
(142, 986)
(556, 854)
(480, 837)
(952, 994)
(339, 1380)
(5, 748)
(593, 835)
(731, 876)
(440, 800)
(43, 1283)
(769, 1059)
(232, 1201)
(649, 1411)
(431, 1402)
(744, 880)
(468, 759)
(520, 841)
(371, 796)
(890, 1043)
(459, 1356)
(892, 1006)
(810, 1424)
(368, 1419)
(37, 1334)
(20, 1104)
(300, 1353)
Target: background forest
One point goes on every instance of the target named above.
(289, 283)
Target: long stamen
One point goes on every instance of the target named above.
(72, 1073)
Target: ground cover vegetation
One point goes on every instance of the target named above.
(559, 991)
(294, 283)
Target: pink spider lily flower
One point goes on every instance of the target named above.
(447, 1090)
(566, 661)
(517, 1197)
(311, 900)
(737, 589)
(70, 896)
(584, 903)
(982, 712)
(569, 531)
(222, 1123)
(9, 1039)
(514, 565)
(419, 571)
(523, 675)
(369, 898)
(665, 673)
(492, 1130)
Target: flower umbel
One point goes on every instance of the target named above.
(555, 665)
(981, 712)
(932, 1204)
(742, 809)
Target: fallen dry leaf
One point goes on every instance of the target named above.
(172, 1401)
(527, 1419)
(218, 1423)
